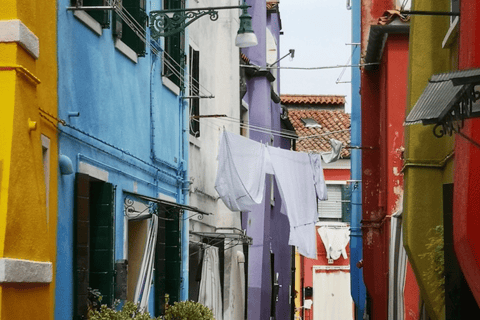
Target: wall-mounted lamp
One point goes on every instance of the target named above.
(65, 164)
(164, 23)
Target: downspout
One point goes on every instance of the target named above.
(358, 290)
(183, 182)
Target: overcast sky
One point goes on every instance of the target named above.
(318, 31)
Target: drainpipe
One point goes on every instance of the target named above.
(358, 290)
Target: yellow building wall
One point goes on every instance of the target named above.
(27, 225)
(298, 285)
(428, 160)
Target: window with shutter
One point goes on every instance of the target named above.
(173, 58)
(194, 79)
(101, 16)
(130, 28)
(94, 241)
(331, 208)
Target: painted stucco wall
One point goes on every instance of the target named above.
(425, 167)
(308, 269)
(466, 189)
(27, 207)
(131, 131)
(219, 76)
(265, 223)
(384, 94)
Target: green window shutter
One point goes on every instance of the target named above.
(174, 49)
(102, 268)
(101, 16)
(168, 262)
(194, 91)
(173, 257)
(117, 22)
(346, 203)
(136, 8)
(160, 266)
(81, 244)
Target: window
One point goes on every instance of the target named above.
(128, 26)
(194, 78)
(337, 207)
(174, 54)
(93, 241)
(101, 16)
(46, 169)
(311, 123)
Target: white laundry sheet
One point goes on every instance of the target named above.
(295, 179)
(242, 166)
(335, 241)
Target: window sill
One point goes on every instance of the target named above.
(171, 86)
(91, 23)
(126, 50)
(452, 33)
(195, 141)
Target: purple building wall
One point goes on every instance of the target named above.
(266, 225)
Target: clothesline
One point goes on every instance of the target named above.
(268, 130)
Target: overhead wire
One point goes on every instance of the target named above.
(266, 129)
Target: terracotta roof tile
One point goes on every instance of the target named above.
(390, 15)
(330, 121)
(312, 99)
(272, 4)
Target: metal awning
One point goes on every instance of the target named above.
(447, 101)
(226, 233)
(165, 204)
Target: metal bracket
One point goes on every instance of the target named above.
(164, 23)
(454, 120)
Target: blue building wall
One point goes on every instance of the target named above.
(356, 247)
(130, 126)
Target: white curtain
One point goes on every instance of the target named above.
(210, 294)
(144, 282)
(235, 310)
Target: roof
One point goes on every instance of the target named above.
(272, 4)
(312, 99)
(329, 120)
(440, 100)
(392, 22)
(390, 15)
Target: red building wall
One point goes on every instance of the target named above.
(466, 219)
(383, 111)
(308, 264)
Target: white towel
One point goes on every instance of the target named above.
(242, 165)
(333, 155)
(294, 176)
(335, 240)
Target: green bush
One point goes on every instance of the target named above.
(188, 310)
(128, 311)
